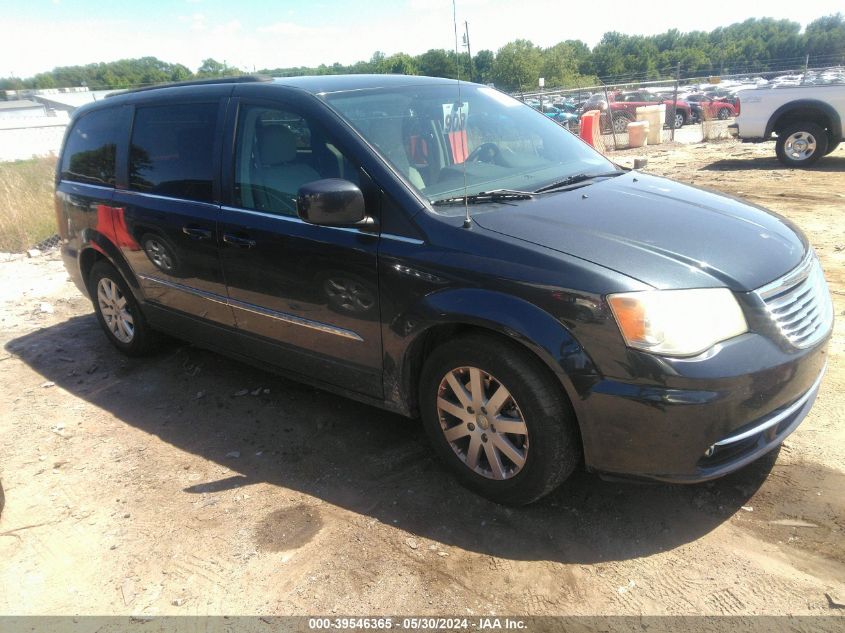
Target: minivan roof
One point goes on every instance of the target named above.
(316, 84)
(321, 84)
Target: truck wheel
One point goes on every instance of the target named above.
(119, 314)
(498, 419)
(801, 144)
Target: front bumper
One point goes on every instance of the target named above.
(752, 441)
(704, 418)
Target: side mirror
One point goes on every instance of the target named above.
(330, 202)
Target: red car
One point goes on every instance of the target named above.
(624, 106)
(709, 108)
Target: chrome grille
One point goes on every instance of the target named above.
(799, 304)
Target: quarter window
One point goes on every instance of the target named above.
(172, 150)
(91, 147)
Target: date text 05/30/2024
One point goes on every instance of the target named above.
(424, 623)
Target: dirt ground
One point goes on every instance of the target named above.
(153, 487)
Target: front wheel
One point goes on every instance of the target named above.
(801, 144)
(498, 419)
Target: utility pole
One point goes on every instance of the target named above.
(675, 101)
(469, 50)
(806, 67)
(542, 83)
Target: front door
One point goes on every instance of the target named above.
(308, 294)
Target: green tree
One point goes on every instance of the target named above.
(517, 66)
(436, 62)
(562, 63)
(398, 64)
(212, 68)
(483, 64)
(826, 39)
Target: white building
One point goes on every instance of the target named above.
(21, 109)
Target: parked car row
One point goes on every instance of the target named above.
(623, 108)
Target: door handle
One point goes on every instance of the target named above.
(235, 240)
(196, 233)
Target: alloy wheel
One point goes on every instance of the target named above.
(115, 310)
(482, 422)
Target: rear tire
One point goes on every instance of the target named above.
(723, 114)
(118, 312)
(801, 144)
(831, 146)
(517, 466)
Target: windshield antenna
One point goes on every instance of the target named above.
(461, 122)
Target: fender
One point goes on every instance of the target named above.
(505, 314)
(93, 239)
(829, 110)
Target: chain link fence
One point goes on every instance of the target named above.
(696, 110)
(689, 114)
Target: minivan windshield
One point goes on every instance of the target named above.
(485, 139)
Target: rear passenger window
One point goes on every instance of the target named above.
(171, 150)
(91, 146)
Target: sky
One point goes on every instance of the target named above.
(38, 35)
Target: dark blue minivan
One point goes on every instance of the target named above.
(442, 250)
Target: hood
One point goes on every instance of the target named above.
(661, 232)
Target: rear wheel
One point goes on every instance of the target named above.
(680, 119)
(723, 114)
(801, 144)
(831, 146)
(119, 313)
(498, 419)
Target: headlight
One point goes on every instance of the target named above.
(677, 322)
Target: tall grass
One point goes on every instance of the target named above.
(27, 213)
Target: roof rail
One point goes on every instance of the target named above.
(241, 79)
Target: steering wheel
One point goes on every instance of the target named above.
(486, 153)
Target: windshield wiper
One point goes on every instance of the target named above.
(481, 197)
(576, 179)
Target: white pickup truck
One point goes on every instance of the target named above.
(806, 119)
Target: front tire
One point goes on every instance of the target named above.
(118, 312)
(498, 419)
(801, 144)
